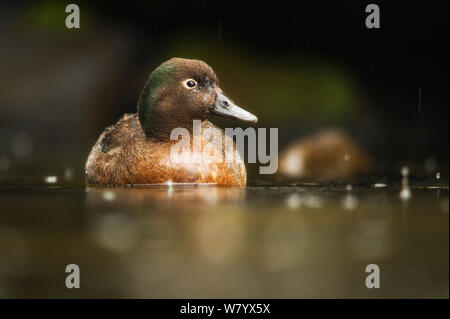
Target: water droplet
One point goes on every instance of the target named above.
(404, 171)
(51, 179)
(293, 163)
(170, 190)
(438, 175)
(405, 194)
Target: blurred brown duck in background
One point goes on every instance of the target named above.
(330, 154)
(136, 150)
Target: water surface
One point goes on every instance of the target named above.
(294, 241)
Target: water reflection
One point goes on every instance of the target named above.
(12, 250)
(179, 195)
(220, 240)
(444, 205)
(116, 231)
(350, 202)
(189, 241)
(372, 236)
(285, 241)
(405, 193)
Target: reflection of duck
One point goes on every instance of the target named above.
(330, 154)
(182, 196)
(136, 150)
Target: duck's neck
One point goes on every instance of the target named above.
(161, 128)
(160, 125)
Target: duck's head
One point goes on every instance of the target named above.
(180, 91)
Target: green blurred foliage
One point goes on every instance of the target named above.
(279, 89)
(49, 17)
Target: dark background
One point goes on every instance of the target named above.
(299, 66)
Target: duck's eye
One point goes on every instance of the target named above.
(190, 83)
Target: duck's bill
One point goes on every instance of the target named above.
(224, 107)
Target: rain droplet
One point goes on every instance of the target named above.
(438, 175)
(404, 171)
(405, 194)
(170, 190)
(51, 179)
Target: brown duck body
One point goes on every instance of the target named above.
(125, 155)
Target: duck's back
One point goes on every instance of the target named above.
(123, 154)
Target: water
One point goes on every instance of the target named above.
(293, 241)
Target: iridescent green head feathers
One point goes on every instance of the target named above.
(180, 91)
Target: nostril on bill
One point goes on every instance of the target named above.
(226, 103)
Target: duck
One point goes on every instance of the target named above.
(330, 154)
(137, 149)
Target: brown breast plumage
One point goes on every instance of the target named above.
(124, 155)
